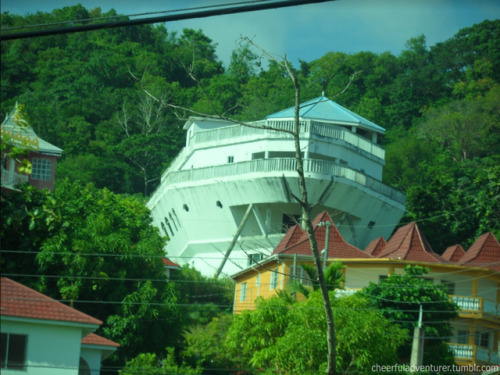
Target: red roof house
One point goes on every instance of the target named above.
(453, 254)
(409, 243)
(485, 252)
(40, 331)
(296, 241)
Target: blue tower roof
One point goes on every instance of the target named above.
(324, 109)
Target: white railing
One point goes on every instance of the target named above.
(314, 129)
(466, 303)
(323, 167)
(476, 304)
(462, 351)
(11, 179)
(474, 353)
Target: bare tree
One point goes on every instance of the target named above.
(139, 130)
(302, 200)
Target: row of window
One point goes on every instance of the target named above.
(480, 338)
(41, 168)
(172, 222)
(272, 285)
(288, 154)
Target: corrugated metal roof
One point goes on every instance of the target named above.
(324, 109)
(25, 136)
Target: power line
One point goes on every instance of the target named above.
(224, 10)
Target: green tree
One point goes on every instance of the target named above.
(83, 245)
(290, 338)
(399, 297)
(151, 364)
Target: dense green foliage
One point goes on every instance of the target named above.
(440, 106)
(90, 241)
(400, 296)
(288, 337)
(98, 251)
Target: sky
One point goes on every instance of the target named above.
(307, 32)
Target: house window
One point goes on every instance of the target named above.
(42, 169)
(243, 292)
(381, 278)
(257, 281)
(230, 159)
(258, 155)
(450, 286)
(462, 337)
(481, 339)
(13, 351)
(274, 280)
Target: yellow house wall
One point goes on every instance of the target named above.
(259, 286)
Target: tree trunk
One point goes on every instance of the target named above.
(306, 217)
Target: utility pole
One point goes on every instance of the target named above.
(328, 224)
(417, 349)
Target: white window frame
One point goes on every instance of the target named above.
(243, 292)
(42, 169)
(274, 279)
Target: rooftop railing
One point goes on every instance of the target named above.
(308, 129)
(281, 165)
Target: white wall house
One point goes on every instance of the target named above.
(41, 336)
(228, 172)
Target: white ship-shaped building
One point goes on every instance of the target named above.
(234, 185)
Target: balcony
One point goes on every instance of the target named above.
(474, 354)
(278, 166)
(476, 307)
(308, 129)
(10, 178)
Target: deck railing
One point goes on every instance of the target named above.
(477, 305)
(281, 165)
(308, 128)
(474, 353)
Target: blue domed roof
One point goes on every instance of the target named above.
(324, 109)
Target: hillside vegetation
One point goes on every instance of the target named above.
(440, 106)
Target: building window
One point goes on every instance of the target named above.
(230, 159)
(243, 292)
(450, 286)
(257, 281)
(258, 155)
(381, 278)
(481, 339)
(462, 337)
(42, 169)
(13, 351)
(274, 280)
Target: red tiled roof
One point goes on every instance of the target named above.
(291, 237)
(375, 247)
(93, 339)
(485, 252)
(169, 263)
(20, 301)
(296, 241)
(453, 254)
(409, 244)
